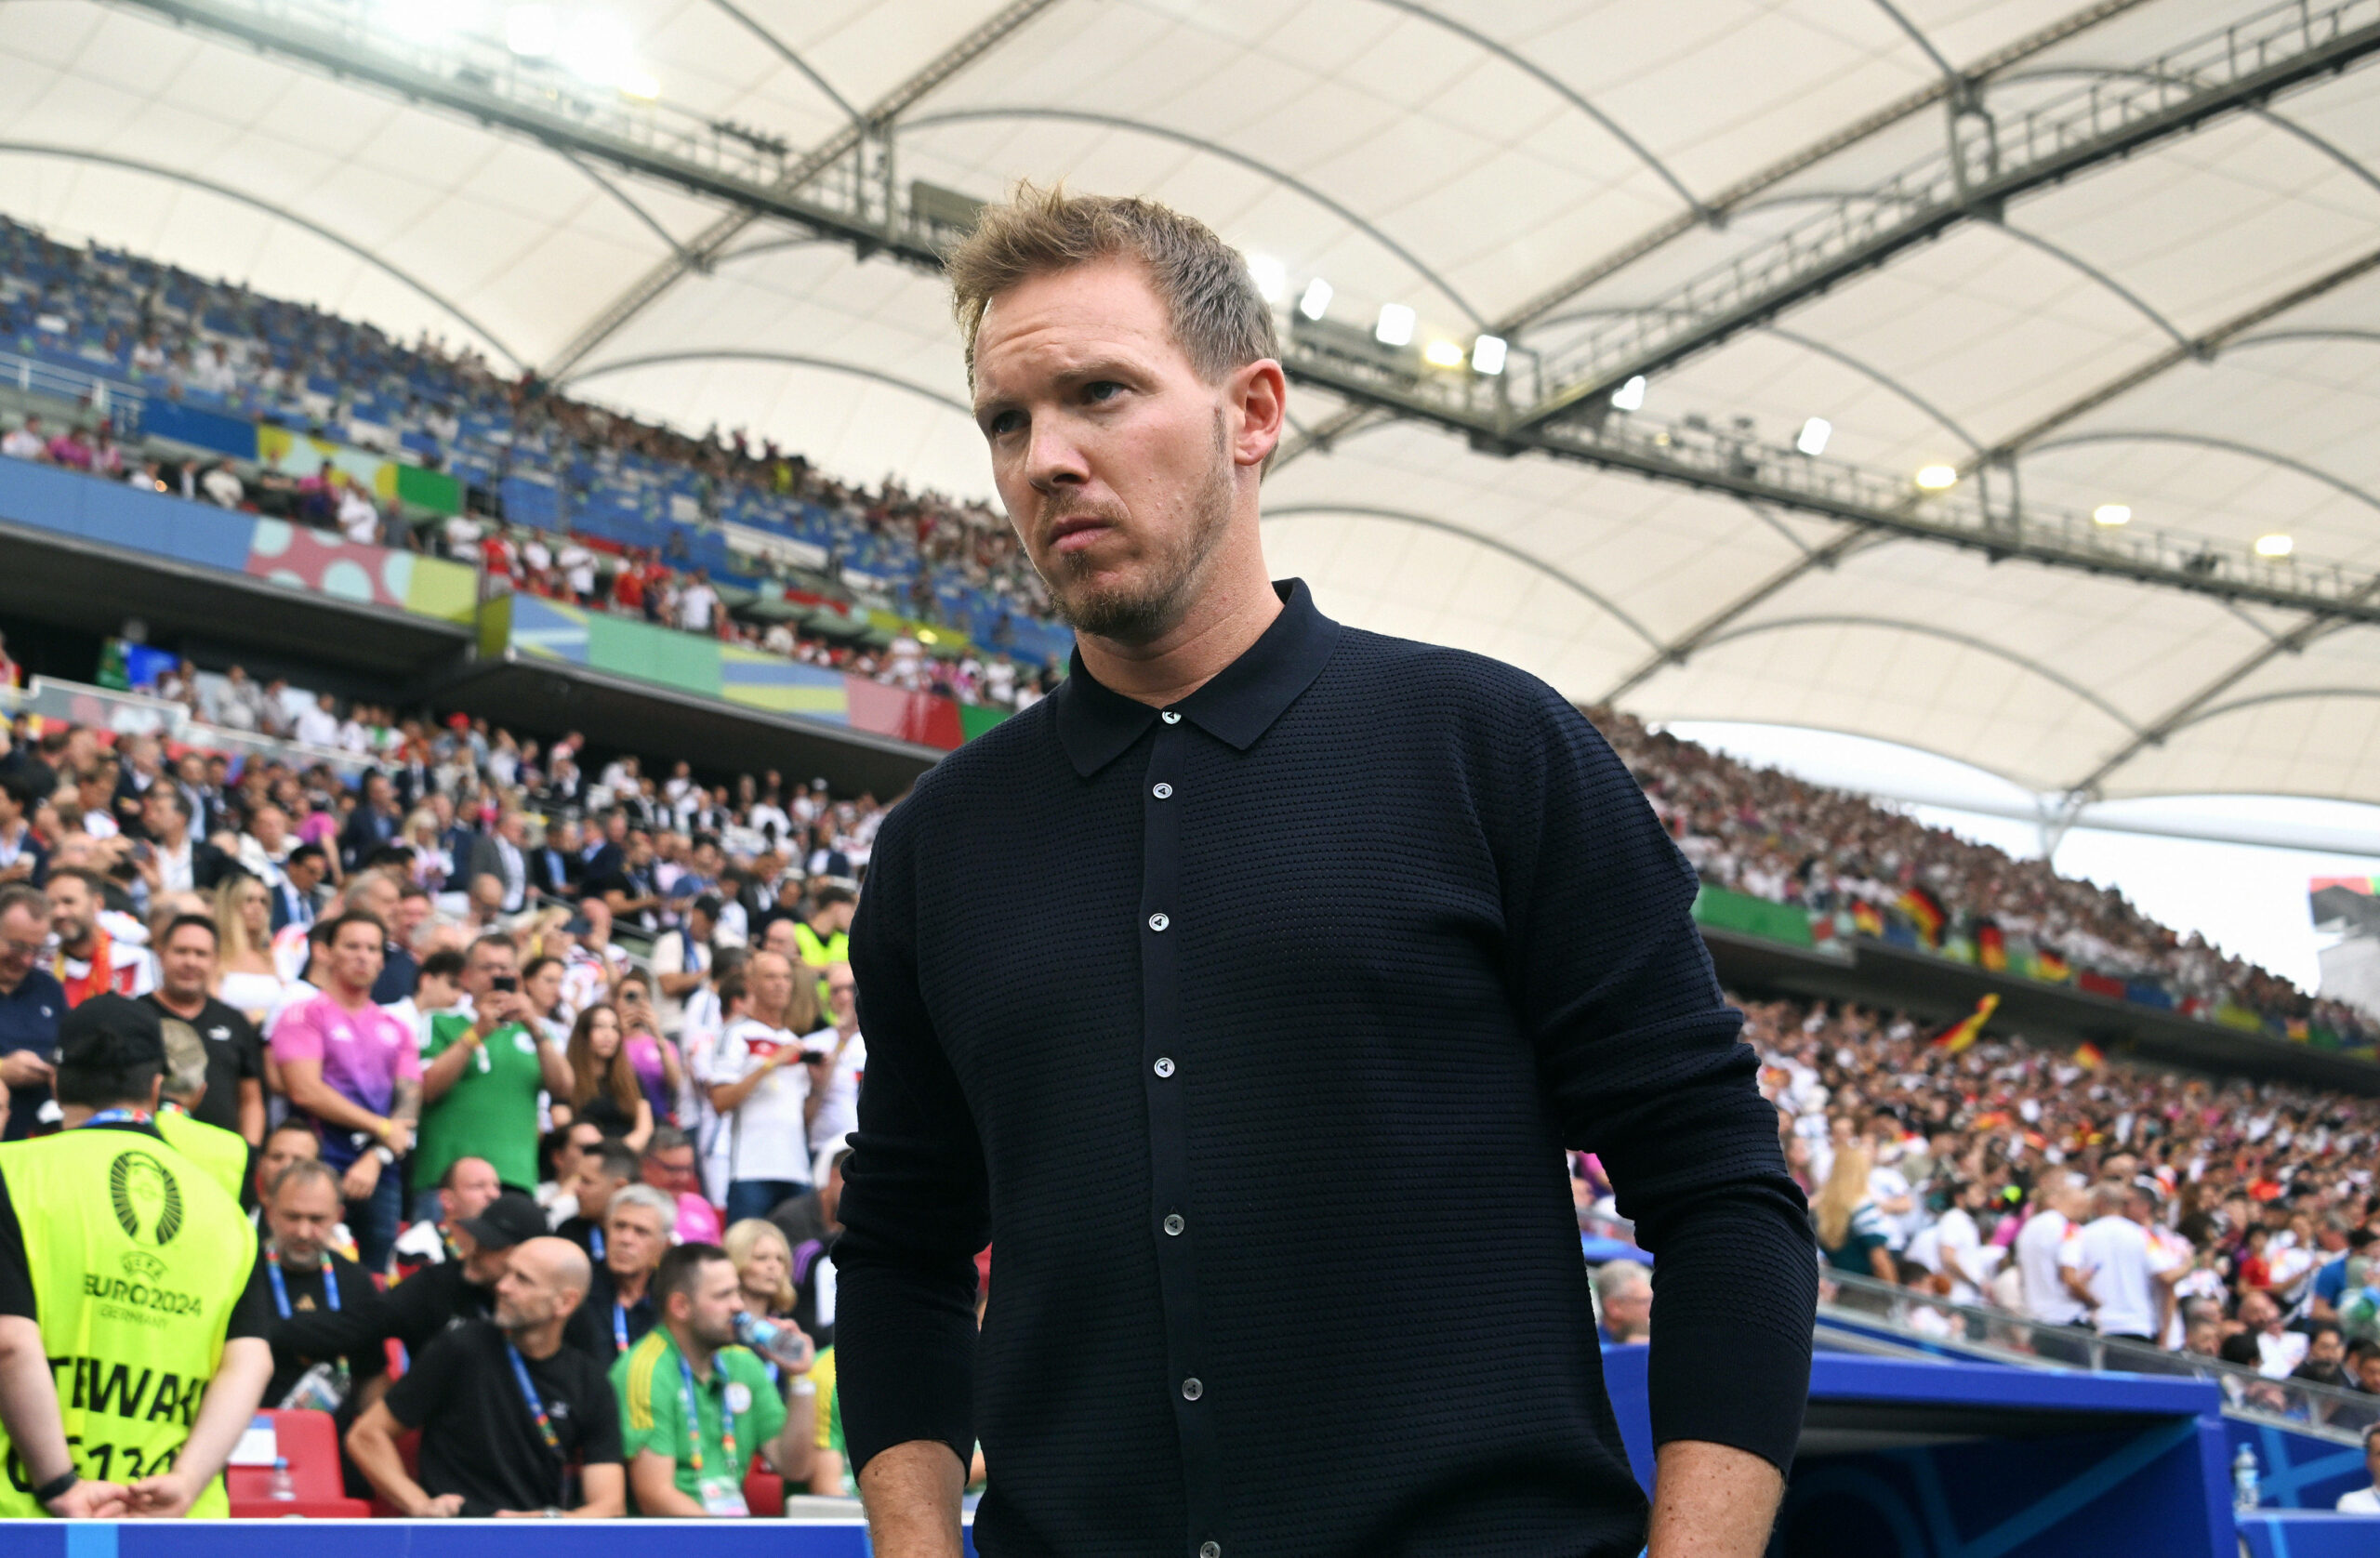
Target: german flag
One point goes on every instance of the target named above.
(1926, 909)
(1865, 920)
(1963, 1032)
(2050, 965)
(1992, 947)
(2088, 1056)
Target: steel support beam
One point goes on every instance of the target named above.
(2240, 68)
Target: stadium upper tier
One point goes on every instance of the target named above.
(756, 517)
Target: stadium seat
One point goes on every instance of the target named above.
(764, 1491)
(308, 1441)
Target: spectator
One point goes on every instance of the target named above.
(302, 1213)
(681, 960)
(603, 1171)
(481, 1078)
(26, 441)
(620, 1309)
(668, 1166)
(284, 1145)
(562, 1150)
(503, 1409)
(763, 1268)
(2111, 1267)
(249, 977)
(1850, 1229)
(660, 1071)
(174, 859)
(811, 1223)
(763, 1095)
(187, 968)
(353, 1067)
(32, 1000)
(90, 959)
(2058, 1195)
(2365, 1500)
(823, 938)
(468, 1188)
(435, 1298)
(503, 854)
(834, 1082)
(2325, 1362)
(2279, 1351)
(603, 1088)
(1624, 1294)
(695, 1405)
(373, 823)
(23, 859)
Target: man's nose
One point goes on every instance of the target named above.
(1052, 460)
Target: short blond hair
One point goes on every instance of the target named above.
(1220, 319)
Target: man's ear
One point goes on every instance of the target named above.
(1258, 394)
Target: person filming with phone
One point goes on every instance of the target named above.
(482, 1072)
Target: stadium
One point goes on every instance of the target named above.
(514, 651)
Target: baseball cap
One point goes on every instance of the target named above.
(109, 1033)
(510, 1219)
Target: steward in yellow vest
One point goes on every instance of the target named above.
(133, 1304)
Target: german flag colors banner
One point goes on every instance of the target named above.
(1959, 1035)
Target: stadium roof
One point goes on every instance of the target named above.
(2181, 317)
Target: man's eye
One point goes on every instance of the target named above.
(1003, 424)
(1103, 389)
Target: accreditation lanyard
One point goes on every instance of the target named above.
(619, 1326)
(694, 1424)
(280, 1289)
(119, 1117)
(595, 1244)
(538, 1411)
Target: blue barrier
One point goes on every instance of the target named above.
(2304, 1534)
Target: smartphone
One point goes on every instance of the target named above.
(505, 981)
(812, 1057)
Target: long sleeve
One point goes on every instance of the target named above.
(1642, 1060)
(914, 1209)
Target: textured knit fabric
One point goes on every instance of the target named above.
(1253, 1032)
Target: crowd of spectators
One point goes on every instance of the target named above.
(473, 1127)
(1864, 866)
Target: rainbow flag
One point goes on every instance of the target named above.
(1926, 909)
(1959, 1035)
(2088, 1056)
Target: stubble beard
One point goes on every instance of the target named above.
(1141, 611)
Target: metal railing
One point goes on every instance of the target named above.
(76, 703)
(122, 403)
(1933, 1323)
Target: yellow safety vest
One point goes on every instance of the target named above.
(138, 1259)
(221, 1154)
(818, 950)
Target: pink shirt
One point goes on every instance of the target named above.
(364, 1054)
(697, 1220)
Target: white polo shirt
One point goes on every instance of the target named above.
(767, 1137)
(838, 1111)
(2047, 1298)
(2113, 1253)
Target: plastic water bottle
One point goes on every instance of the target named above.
(782, 1344)
(285, 1487)
(2244, 1479)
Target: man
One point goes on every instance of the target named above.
(1475, 928)
(619, 1307)
(695, 1409)
(503, 856)
(481, 1076)
(835, 1078)
(681, 960)
(503, 1409)
(284, 1145)
(466, 1188)
(627, 890)
(186, 962)
(558, 1195)
(603, 1169)
(22, 857)
(221, 1154)
(667, 1165)
(2111, 1266)
(90, 960)
(177, 861)
(374, 821)
(811, 1224)
(353, 1068)
(435, 1298)
(2325, 1362)
(301, 1211)
(2277, 1350)
(1625, 1292)
(765, 1095)
(2365, 1500)
(32, 1000)
(823, 937)
(90, 1219)
(2060, 1197)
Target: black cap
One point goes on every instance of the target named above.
(109, 1033)
(510, 1219)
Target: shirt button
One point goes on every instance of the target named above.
(1174, 1224)
(1210, 1549)
(1165, 1065)
(1192, 1390)
(1159, 922)
(1162, 791)
(1171, 718)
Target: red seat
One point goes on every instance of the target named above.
(308, 1442)
(763, 1491)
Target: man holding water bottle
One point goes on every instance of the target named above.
(696, 1408)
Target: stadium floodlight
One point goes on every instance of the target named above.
(641, 85)
(1442, 354)
(423, 22)
(531, 32)
(1938, 478)
(1272, 278)
(598, 50)
(2112, 514)
(1488, 355)
(1317, 300)
(1814, 434)
(2275, 545)
(1629, 396)
(1395, 326)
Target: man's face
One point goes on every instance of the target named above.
(2367, 1372)
(270, 827)
(592, 1188)
(526, 1295)
(1629, 1311)
(377, 790)
(73, 914)
(485, 964)
(468, 1189)
(712, 1303)
(281, 1149)
(411, 911)
(21, 937)
(356, 956)
(632, 1239)
(160, 816)
(842, 992)
(2203, 1337)
(305, 875)
(770, 978)
(2258, 1312)
(376, 896)
(189, 963)
(581, 1139)
(778, 938)
(301, 1218)
(1113, 457)
(672, 1169)
(2328, 1347)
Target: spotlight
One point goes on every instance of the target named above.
(599, 51)
(1271, 277)
(1814, 432)
(1488, 355)
(2275, 545)
(1442, 354)
(1395, 326)
(1938, 478)
(1630, 395)
(1316, 301)
(2112, 515)
(531, 32)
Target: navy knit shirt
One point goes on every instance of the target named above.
(1252, 1031)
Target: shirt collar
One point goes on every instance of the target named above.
(1096, 724)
